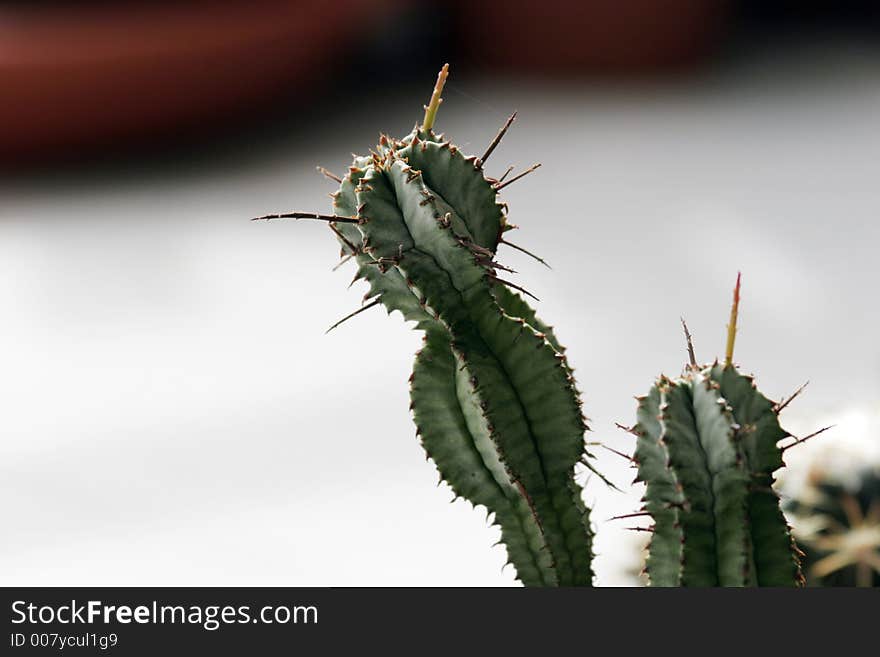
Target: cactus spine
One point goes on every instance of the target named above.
(493, 397)
(707, 449)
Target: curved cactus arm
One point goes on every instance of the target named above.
(468, 461)
(492, 393)
(526, 392)
(459, 291)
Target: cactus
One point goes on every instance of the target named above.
(838, 527)
(493, 396)
(707, 450)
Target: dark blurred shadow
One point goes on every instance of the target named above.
(242, 100)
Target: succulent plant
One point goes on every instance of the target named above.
(838, 527)
(493, 396)
(707, 450)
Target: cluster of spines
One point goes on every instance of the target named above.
(837, 522)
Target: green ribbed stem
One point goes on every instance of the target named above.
(707, 449)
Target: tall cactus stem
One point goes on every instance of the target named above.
(493, 396)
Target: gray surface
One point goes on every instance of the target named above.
(173, 414)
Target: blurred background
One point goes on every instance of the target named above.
(172, 412)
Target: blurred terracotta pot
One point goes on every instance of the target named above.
(605, 37)
(74, 77)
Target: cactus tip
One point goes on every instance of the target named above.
(434, 104)
(690, 344)
(731, 326)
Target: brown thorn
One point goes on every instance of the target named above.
(514, 286)
(476, 248)
(806, 438)
(308, 215)
(495, 265)
(498, 138)
(528, 253)
(381, 262)
(593, 471)
(343, 261)
(620, 454)
(356, 312)
(329, 174)
(629, 515)
(782, 405)
(499, 186)
(623, 427)
(690, 344)
(344, 239)
(506, 173)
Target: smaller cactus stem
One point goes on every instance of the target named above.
(690, 344)
(731, 327)
(434, 104)
(497, 140)
(356, 312)
(500, 186)
(308, 215)
(528, 253)
(329, 174)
